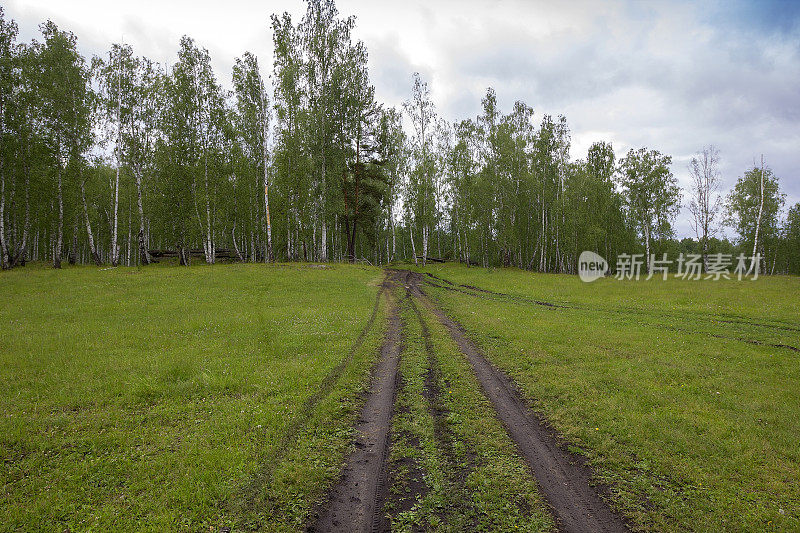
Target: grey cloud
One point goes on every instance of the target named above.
(674, 88)
(391, 69)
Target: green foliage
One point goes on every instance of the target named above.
(249, 128)
(319, 171)
(742, 209)
(420, 194)
(792, 242)
(651, 192)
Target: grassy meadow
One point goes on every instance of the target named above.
(661, 384)
(211, 397)
(178, 399)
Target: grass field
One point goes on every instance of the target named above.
(659, 383)
(195, 399)
(166, 398)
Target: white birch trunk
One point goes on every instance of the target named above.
(130, 231)
(114, 246)
(3, 246)
(647, 247)
(424, 245)
(289, 244)
(208, 247)
(269, 255)
(89, 234)
(60, 238)
(323, 255)
(413, 247)
(758, 220)
(235, 244)
(21, 252)
(394, 241)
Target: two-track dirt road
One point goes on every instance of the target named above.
(356, 502)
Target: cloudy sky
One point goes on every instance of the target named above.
(672, 76)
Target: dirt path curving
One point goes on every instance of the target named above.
(565, 482)
(356, 501)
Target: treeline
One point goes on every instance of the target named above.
(109, 159)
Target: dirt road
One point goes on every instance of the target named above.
(355, 503)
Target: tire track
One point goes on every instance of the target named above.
(564, 479)
(355, 503)
(471, 290)
(459, 470)
(249, 495)
(477, 292)
(727, 319)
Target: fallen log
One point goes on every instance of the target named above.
(432, 259)
(220, 253)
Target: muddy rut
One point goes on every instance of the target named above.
(564, 482)
(355, 503)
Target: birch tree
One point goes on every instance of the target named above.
(290, 160)
(197, 100)
(705, 201)
(651, 193)
(117, 98)
(8, 86)
(326, 45)
(752, 209)
(792, 235)
(420, 187)
(66, 108)
(252, 104)
(143, 132)
(393, 152)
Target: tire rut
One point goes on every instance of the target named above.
(727, 319)
(355, 503)
(459, 471)
(249, 494)
(477, 292)
(564, 479)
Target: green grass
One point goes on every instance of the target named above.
(693, 428)
(159, 399)
(454, 445)
(191, 399)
